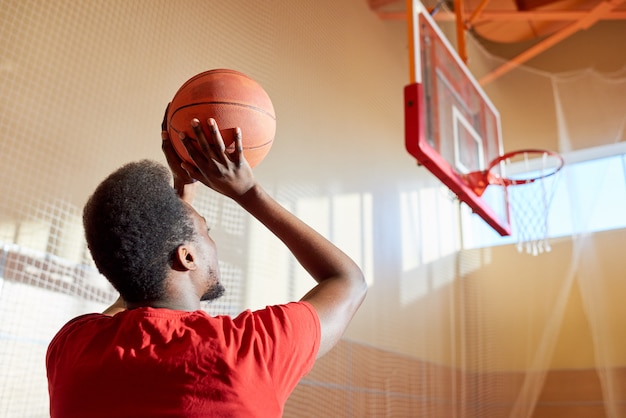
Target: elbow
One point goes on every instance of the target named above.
(361, 287)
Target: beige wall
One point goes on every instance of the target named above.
(522, 303)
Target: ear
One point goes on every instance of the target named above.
(184, 258)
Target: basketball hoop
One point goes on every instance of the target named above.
(533, 173)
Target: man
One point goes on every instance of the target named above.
(154, 353)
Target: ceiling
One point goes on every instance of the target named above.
(539, 24)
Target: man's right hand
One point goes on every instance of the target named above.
(225, 172)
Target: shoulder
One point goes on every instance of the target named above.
(287, 316)
(278, 328)
(81, 320)
(71, 327)
(284, 339)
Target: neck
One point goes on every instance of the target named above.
(180, 294)
(176, 304)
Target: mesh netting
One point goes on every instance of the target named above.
(443, 332)
(530, 206)
(532, 178)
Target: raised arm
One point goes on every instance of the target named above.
(341, 287)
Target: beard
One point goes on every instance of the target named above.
(215, 289)
(214, 292)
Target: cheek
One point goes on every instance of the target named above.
(211, 254)
(212, 249)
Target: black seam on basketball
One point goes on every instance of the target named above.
(258, 109)
(216, 71)
(258, 146)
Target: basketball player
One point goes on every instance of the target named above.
(154, 353)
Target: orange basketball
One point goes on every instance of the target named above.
(233, 100)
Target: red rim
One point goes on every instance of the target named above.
(506, 181)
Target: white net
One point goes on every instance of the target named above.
(535, 176)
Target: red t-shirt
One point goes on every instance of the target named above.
(150, 362)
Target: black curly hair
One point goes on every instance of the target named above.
(134, 222)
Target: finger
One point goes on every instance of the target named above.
(192, 150)
(192, 171)
(164, 123)
(166, 143)
(196, 173)
(239, 157)
(168, 149)
(201, 137)
(174, 160)
(218, 141)
(200, 159)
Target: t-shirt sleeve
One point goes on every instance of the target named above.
(288, 338)
(56, 344)
(57, 354)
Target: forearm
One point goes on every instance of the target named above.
(341, 287)
(186, 190)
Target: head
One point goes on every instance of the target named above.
(135, 224)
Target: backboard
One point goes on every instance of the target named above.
(451, 126)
